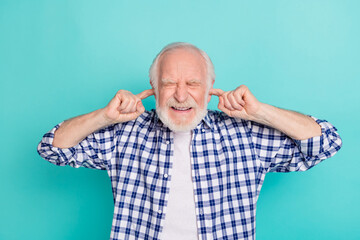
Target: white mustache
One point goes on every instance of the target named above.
(189, 103)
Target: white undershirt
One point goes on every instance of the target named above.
(180, 218)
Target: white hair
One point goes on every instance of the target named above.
(153, 72)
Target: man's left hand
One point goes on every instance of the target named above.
(239, 103)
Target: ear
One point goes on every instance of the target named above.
(212, 85)
(152, 86)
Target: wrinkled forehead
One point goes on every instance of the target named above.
(182, 63)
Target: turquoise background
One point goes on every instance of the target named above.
(59, 59)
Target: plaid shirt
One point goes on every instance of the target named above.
(229, 160)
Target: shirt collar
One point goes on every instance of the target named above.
(208, 121)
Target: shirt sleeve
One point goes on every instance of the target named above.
(93, 152)
(280, 153)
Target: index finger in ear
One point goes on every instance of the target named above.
(145, 94)
(216, 91)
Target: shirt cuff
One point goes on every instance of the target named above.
(59, 156)
(315, 145)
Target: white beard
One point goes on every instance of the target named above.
(181, 127)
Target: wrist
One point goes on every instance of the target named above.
(101, 118)
(262, 113)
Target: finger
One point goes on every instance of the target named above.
(123, 104)
(216, 92)
(131, 107)
(242, 102)
(140, 107)
(146, 93)
(130, 116)
(239, 96)
(221, 103)
(222, 107)
(227, 103)
(234, 103)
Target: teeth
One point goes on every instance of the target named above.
(181, 108)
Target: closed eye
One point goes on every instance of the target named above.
(194, 83)
(168, 82)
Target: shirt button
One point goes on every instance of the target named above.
(165, 175)
(159, 212)
(202, 130)
(168, 142)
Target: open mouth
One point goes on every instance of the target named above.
(181, 108)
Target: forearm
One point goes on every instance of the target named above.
(293, 124)
(72, 131)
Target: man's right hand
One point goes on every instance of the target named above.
(125, 106)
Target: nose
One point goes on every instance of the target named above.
(181, 93)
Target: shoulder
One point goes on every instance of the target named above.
(220, 120)
(144, 121)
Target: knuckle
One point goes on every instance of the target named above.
(123, 92)
(242, 87)
(120, 91)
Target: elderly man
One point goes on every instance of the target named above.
(183, 172)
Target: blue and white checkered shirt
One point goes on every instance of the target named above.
(229, 160)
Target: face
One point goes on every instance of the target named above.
(183, 92)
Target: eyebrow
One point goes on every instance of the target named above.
(167, 80)
(194, 81)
